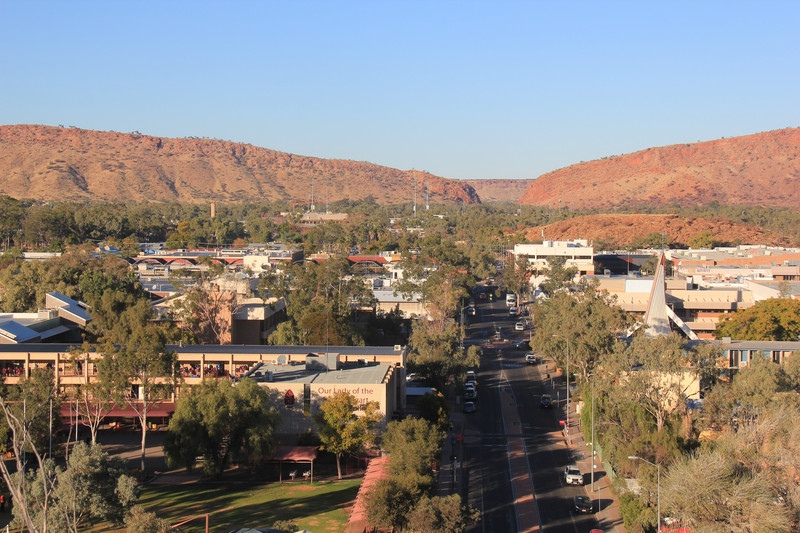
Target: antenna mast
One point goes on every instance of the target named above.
(427, 196)
(415, 195)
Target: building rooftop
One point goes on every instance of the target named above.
(346, 374)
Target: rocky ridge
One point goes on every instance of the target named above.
(55, 163)
(761, 169)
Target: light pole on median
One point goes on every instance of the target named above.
(567, 341)
(592, 376)
(658, 487)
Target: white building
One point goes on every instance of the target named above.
(578, 253)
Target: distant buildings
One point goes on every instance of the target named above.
(60, 320)
(579, 254)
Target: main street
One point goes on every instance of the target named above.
(486, 472)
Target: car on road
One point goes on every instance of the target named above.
(470, 394)
(513, 311)
(471, 376)
(533, 358)
(523, 345)
(469, 407)
(583, 504)
(519, 326)
(573, 475)
(546, 401)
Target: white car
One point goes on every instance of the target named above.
(519, 326)
(573, 475)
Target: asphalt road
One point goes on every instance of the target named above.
(485, 476)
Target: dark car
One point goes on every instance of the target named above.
(546, 401)
(583, 504)
(469, 407)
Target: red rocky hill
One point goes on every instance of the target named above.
(499, 190)
(49, 163)
(761, 169)
(616, 231)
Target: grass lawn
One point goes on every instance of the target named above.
(322, 507)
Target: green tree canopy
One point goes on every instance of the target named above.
(588, 318)
(441, 514)
(221, 422)
(414, 445)
(775, 319)
(345, 427)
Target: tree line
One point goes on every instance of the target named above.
(721, 465)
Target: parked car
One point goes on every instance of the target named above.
(513, 311)
(470, 376)
(583, 504)
(519, 326)
(546, 401)
(470, 394)
(532, 358)
(469, 407)
(573, 476)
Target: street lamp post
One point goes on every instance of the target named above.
(658, 487)
(592, 376)
(567, 341)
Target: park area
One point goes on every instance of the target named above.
(321, 507)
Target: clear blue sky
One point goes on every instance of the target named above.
(461, 89)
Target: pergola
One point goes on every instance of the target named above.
(295, 454)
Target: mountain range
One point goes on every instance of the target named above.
(55, 163)
(754, 170)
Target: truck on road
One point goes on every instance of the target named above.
(573, 476)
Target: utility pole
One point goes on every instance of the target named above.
(567, 341)
(592, 376)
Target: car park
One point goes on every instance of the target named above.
(573, 475)
(469, 407)
(546, 401)
(583, 504)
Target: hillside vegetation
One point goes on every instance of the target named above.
(754, 170)
(57, 164)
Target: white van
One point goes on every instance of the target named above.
(511, 300)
